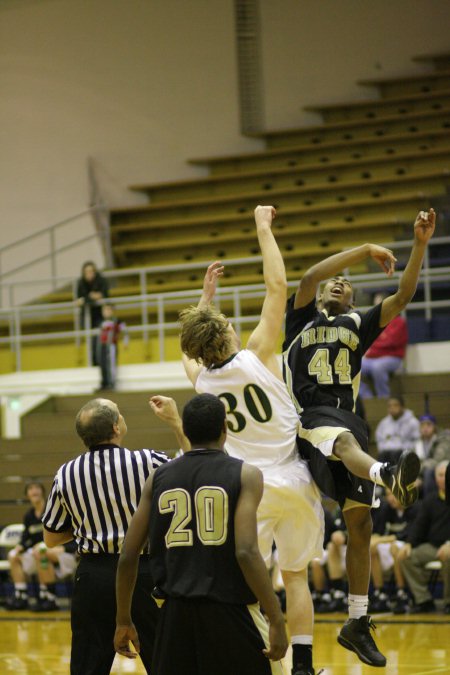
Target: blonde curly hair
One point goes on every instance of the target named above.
(204, 335)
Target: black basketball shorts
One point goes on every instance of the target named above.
(318, 430)
(205, 637)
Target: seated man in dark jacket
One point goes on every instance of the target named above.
(429, 539)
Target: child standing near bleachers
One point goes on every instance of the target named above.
(110, 330)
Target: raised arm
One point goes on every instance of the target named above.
(423, 231)
(264, 339)
(166, 409)
(212, 276)
(127, 572)
(251, 562)
(330, 267)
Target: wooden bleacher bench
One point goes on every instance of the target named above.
(354, 129)
(161, 193)
(441, 60)
(326, 152)
(336, 112)
(212, 237)
(338, 209)
(218, 204)
(423, 82)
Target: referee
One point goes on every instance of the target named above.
(92, 500)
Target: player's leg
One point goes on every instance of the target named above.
(355, 634)
(229, 639)
(300, 620)
(299, 538)
(359, 528)
(45, 566)
(175, 647)
(400, 479)
(18, 561)
(328, 433)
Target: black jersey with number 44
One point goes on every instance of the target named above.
(192, 543)
(322, 354)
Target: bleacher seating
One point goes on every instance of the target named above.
(361, 175)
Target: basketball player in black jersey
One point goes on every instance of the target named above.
(200, 516)
(322, 356)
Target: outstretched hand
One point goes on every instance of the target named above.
(165, 408)
(264, 215)
(424, 226)
(122, 638)
(384, 258)
(212, 276)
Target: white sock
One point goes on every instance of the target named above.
(20, 588)
(374, 473)
(301, 640)
(357, 605)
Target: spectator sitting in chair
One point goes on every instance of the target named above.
(396, 432)
(31, 556)
(384, 357)
(428, 540)
(432, 447)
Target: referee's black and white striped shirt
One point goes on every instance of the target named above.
(97, 493)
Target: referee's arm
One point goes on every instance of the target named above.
(52, 539)
(127, 567)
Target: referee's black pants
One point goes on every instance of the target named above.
(93, 615)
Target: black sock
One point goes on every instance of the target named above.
(336, 584)
(301, 657)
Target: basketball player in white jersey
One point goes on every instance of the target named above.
(262, 427)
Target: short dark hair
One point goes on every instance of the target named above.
(95, 421)
(203, 418)
(398, 398)
(88, 263)
(34, 483)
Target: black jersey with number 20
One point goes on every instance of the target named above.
(322, 354)
(192, 543)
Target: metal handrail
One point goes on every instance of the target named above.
(53, 250)
(160, 303)
(142, 272)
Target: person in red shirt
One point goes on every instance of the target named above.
(110, 330)
(384, 357)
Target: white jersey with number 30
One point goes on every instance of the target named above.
(262, 420)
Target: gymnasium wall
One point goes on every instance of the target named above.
(143, 85)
